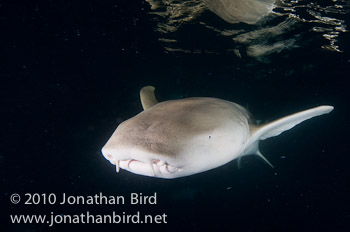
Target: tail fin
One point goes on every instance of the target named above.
(278, 126)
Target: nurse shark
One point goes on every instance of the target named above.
(179, 138)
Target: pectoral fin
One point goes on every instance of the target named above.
(278, 126)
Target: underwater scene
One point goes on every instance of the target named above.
(175, 115)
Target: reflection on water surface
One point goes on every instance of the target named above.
(254, 28)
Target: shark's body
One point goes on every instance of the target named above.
(183, 137)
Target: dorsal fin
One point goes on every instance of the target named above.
(147, 97)
(278, 126)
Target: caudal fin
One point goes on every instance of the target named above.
(278, 126)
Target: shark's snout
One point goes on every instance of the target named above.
(153, 167)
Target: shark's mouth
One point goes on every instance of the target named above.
(153, 168)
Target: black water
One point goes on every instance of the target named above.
(71, 72)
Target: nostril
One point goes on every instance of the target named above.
(110, 158)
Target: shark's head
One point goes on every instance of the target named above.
(177, 138)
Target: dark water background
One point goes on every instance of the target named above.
(71, 71)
